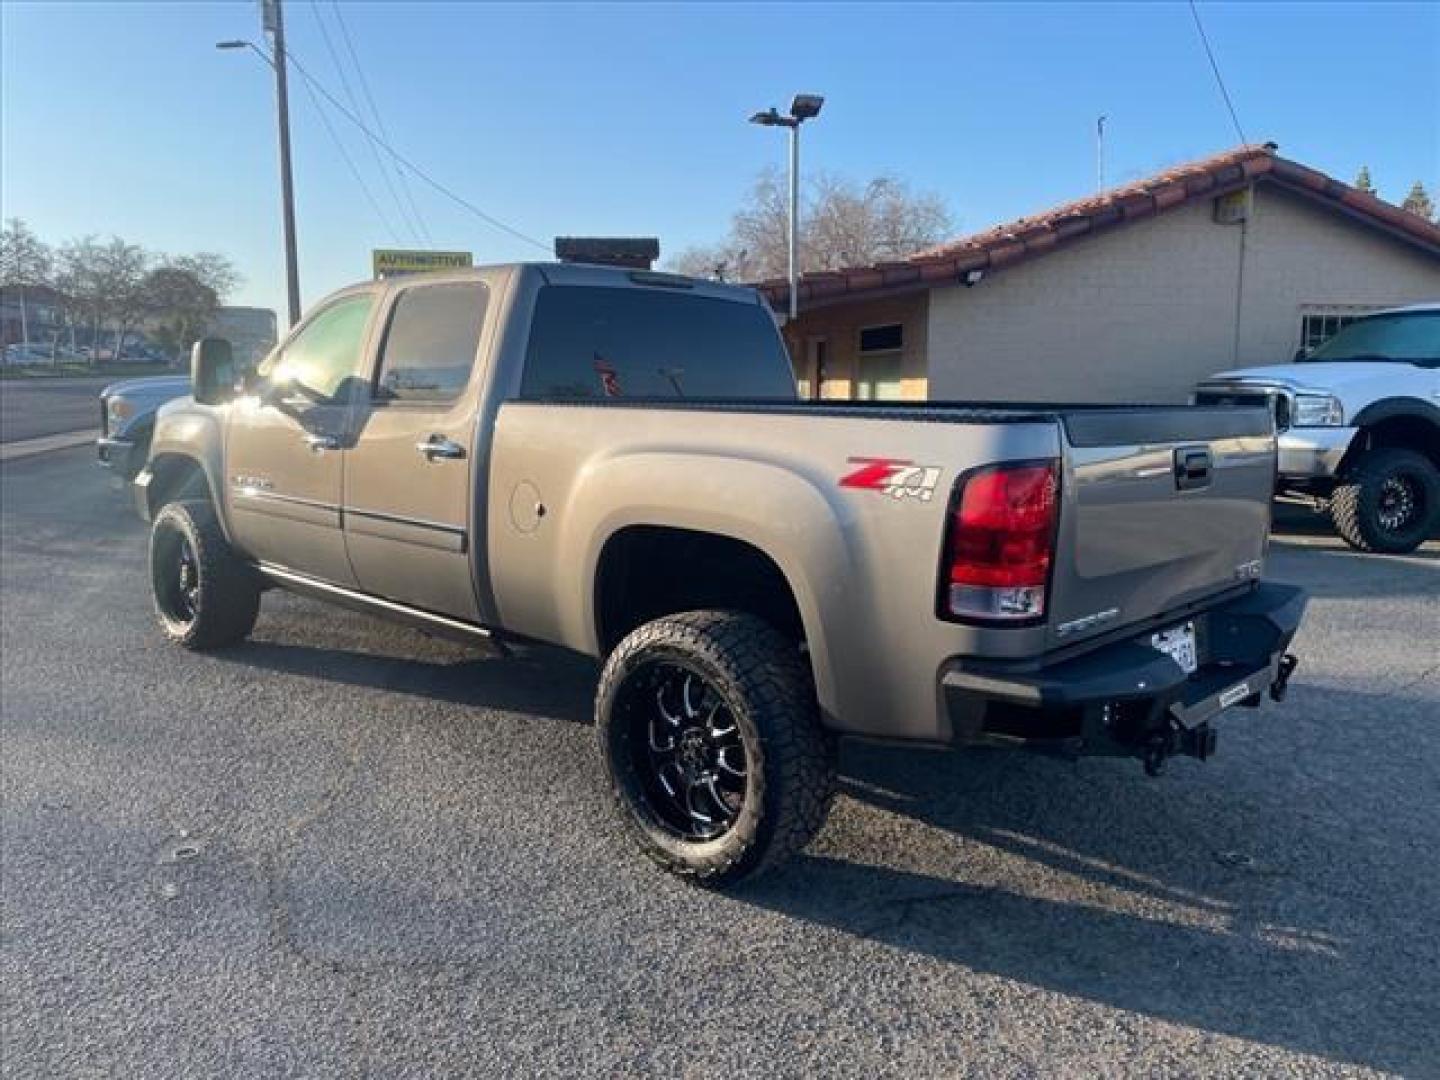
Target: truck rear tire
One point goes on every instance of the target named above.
(710, 739)
(205, 596)
(1388, 501)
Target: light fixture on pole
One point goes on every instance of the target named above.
(803, 107)
(274, 24)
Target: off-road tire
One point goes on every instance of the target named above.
(226, 593)
(766, 685)
(1355, 505)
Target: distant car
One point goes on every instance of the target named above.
(127, 419)
(1358, 420)
(31, 352)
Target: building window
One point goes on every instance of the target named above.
(1318, 327)
(881, 362)
(878, 339)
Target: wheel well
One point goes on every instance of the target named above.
(176, 476)
(1403, 432)
(647, 571)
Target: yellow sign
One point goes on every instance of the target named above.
(390, 263)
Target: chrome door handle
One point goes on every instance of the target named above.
(437, 446)
(321, 443)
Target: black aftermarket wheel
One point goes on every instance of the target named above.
(205, 597)
(709, 737)
(1388, 501)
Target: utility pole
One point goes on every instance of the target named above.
(1100, 154)
(273, 22)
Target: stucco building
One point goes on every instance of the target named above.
(1130, 295)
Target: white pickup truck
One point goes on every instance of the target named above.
(1358, 421)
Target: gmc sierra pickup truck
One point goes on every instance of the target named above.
(616, 462)
(1359, 425)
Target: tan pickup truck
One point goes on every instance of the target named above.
(616, 462)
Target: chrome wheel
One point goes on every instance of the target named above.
(686, 749)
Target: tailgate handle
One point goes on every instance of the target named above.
(1192, 467)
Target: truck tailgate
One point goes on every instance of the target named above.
(1163, 506)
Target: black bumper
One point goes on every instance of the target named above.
(1127, 698)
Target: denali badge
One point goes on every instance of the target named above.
(895, 477)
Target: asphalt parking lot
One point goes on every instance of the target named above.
(345, 849)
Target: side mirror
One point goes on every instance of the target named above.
(212, 371)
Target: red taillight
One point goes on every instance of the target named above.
(1000, 543)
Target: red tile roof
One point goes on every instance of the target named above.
(1006, 245)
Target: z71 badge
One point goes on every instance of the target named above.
(894, 477)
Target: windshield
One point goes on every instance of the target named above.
(1408, 337)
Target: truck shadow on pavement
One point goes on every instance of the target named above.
(1119, 893)
(549, 684)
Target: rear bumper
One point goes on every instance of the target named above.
(1128, 699)
(1312, 453)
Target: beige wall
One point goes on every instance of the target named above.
(840, 326)
(1143, 312)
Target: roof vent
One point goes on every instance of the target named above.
(633, 253)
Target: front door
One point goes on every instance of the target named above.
(410, 475)
(285, 448)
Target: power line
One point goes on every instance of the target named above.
(375, 113)
(350, 163)
(459, 200)
(380, 166)
(1204, 40)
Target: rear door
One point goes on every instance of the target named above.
(409, 476)
(284, 449)
(1163, 507)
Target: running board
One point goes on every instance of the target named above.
(428, 621)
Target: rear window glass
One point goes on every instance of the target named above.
(431, 341)
(595, 342)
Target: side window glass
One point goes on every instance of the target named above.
(431, 342)
(324, 358)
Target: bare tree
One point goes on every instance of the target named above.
(841, 224)
(78, 285)
(25, 262)
(120, 274)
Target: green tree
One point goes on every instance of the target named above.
(183, 294)
(1362, 180)
(1419, 202)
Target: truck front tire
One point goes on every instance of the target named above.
(205, 596)
(1388, 501)
(710, 740)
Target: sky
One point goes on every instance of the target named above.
(630, 119)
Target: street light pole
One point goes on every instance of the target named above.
(274, 21)
(803, 107)
(794, 219)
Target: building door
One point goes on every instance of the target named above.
(813, 373)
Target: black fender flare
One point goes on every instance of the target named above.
(1391, 407)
